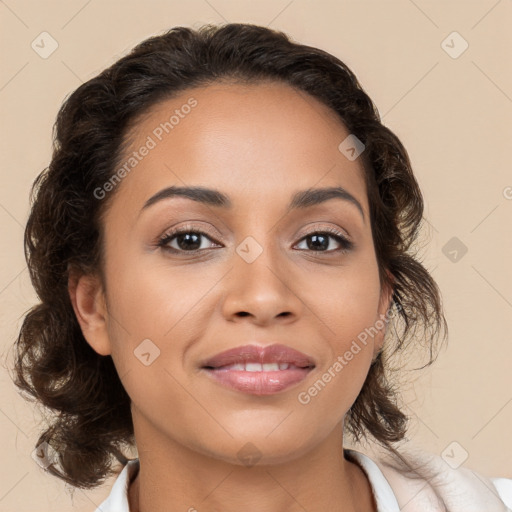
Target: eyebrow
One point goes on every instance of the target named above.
(302, 199)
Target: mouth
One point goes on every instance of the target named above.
(257, 367)
(259, 371)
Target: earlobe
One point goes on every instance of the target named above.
(88, 300)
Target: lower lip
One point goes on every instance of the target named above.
(259, 383)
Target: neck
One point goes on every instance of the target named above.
(174, 478)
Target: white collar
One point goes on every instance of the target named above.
(382, 492)
(385, 495)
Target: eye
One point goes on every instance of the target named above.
(319, 241)
(190, 239)
(187, 239)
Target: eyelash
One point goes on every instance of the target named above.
(164, 240)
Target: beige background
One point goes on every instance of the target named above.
(452, 114)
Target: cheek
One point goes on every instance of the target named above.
(348, 306)
(156, 315)
(337, 383)
(153, 319)
(153, 300)
(350, 310)
(351, 302)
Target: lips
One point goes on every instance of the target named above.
(247, 354)
(257, 370)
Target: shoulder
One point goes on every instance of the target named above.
(435, 486)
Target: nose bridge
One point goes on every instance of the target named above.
(259, 284)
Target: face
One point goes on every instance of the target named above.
(257, 269)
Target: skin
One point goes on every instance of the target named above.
(258, 144)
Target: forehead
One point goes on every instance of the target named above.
(253, 141)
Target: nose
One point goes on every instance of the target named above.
(261, 290)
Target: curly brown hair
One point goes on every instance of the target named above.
(89, 410)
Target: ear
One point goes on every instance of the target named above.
(385, 300)
(87, 297)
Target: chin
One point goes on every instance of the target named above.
(258, 448)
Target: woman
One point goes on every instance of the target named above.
(220, 244)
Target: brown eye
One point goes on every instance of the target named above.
(185, 240)
(320, 241)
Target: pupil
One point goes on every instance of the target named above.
(187, 238)
(315, 244)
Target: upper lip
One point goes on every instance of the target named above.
(255, 354)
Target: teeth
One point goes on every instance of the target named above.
(257, 367)
(253, 367)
